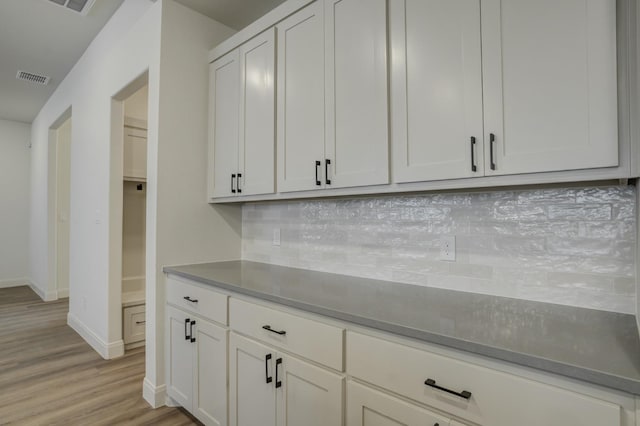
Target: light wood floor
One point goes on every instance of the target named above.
(50, 376)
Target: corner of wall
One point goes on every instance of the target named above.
(106, 350)
(154, 395)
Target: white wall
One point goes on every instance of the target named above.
(188, 230)
(127, 47)
(14, 203)
(181, 226)
(136, 105)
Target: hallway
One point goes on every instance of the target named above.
(50, 376)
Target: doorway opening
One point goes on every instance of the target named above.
(134, 208)
(59, 204)
(127, 216)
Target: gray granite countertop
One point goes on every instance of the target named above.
(595, 346)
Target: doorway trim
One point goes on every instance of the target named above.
(52, 208)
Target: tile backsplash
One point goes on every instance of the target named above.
(573, 246)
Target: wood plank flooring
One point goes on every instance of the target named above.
(50, 376)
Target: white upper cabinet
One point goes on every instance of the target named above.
(135, 153)
(332, 96)
(256, 166)
(357, 136)
(300, 99)
(224, 114)
(242, 120)
(549, 70)
(436, 89)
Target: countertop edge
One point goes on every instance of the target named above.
(544, 364)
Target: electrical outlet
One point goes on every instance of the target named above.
(276, 237)
(448, 248)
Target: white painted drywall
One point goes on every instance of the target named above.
(14, 203)
(181, 226)
(188, 230)
(127, 47)
(136, 106)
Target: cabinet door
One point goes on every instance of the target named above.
(257, 106)
(210, 374)
(135, 153)
(301, 101)
(549, 70)
(357, 137)
(368, 407)
(436, 89)
(179, 349)
(224, 113)
(307, 395)
(252, 397)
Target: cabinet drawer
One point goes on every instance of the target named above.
(497, 398)
(133, 323)
(310, 339)
(193, 298)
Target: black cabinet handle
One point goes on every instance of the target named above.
(186, 324)
(268, 328)
(326, 171)
(318, 183)
(238, 185)
(193, 339)
(140, 322)
(473, 154)
(492, 139)
(233, 188)
(432, 383)
(189, 299)
(268, 378)
(278, 382)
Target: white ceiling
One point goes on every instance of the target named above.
(41, 38)
(236, 14)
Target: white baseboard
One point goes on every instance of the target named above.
(63, 293)
(106, 350)
(155, 395)
(14, 283)
(47, 296)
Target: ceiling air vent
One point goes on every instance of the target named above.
(79, 6)
(33, 78)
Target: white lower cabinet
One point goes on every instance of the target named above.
(269, 367)
(368, 407)
(472, 392)
(268, 388)
(197, 366)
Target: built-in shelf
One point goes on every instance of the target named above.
(133, 298)
(133, 179)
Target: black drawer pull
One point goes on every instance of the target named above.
(464, 394)
(318, 183)
(189, 299)
(193, 339)
(473, 154)
(268, 378)
(268, 328)
(278, 382)
(326, 171)
(141, 322)
(492, 161)
(186, 324)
